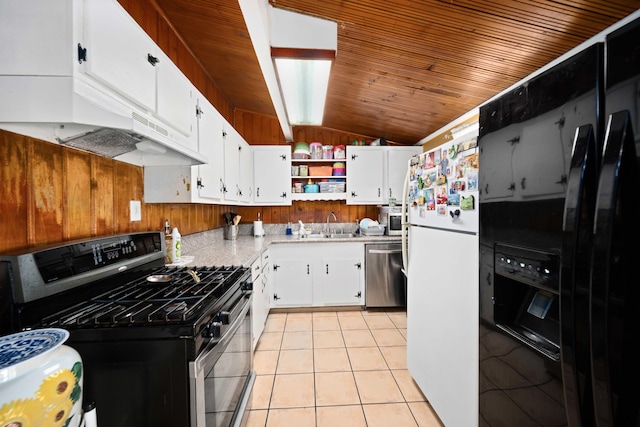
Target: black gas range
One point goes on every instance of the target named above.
(161, 346)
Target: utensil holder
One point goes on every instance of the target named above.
(230, 232)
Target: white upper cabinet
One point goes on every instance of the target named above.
(376, 174)
(119, 53)
(245, 181)
(192, 184)
(365, 177)
(176, 100)
(232, 149)
(395, 170)
(210, 181)
(272, 174)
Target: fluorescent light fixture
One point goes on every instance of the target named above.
(303, 76)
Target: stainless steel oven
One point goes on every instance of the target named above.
(160, 346)
(221, 375)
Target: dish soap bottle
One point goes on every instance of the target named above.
(168, 243)
(357, 232)
(176, 247)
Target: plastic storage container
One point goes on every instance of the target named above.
(339, 152)
(327, 151)
(316, 150)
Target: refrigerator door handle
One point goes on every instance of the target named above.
(574, 274)
(405, 225)
(614, 286)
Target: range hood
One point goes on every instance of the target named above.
(74, 111)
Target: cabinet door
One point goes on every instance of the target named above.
(245, 172)
(211, 145)
(231, 163)
(337, 281)
(271, 174)
(396, 169)
(175, 97)
(119, 52)
(365, 180)
(257, 302)
(292, 282)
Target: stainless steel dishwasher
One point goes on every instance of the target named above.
(385, 283)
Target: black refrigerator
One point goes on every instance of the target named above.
(559, 238)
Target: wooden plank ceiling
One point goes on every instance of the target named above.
(404, 68)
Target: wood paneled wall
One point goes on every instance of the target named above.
(52, 194)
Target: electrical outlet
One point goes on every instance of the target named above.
(135, 210)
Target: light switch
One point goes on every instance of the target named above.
(135, 210)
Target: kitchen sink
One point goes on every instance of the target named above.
(340, 235)
(328, 236)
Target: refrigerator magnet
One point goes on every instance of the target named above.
(429, 161)
(430, 199)
(441, 210)
(472, 181)
(441, 195)
(453, 200)
(467, 203)
(430, 179)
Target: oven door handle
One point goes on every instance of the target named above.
(205, 361)
(221, 343)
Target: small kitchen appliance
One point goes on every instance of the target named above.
(161, 346)
(391, 218)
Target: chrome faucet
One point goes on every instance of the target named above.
(328, 217)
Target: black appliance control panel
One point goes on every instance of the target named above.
(47, 271)
(533, 267)
(65, 261)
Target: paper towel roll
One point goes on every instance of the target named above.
(258, 231)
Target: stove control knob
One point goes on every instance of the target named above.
(213, 330)
(223, 316)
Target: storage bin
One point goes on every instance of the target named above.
(316, 150)
(327, 151)
(373, 230)
(320, 170)
(332, 187)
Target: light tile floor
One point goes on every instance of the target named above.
(328, 368)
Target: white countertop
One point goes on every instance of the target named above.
(214, 250)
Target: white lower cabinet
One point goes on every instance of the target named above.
(261, 302)
(318, 274)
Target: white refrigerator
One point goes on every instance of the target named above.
(440, 256)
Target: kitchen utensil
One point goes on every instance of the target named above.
(236, 219)
(193, 274)
(230, 232)
(227, 218)
(159, 278)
